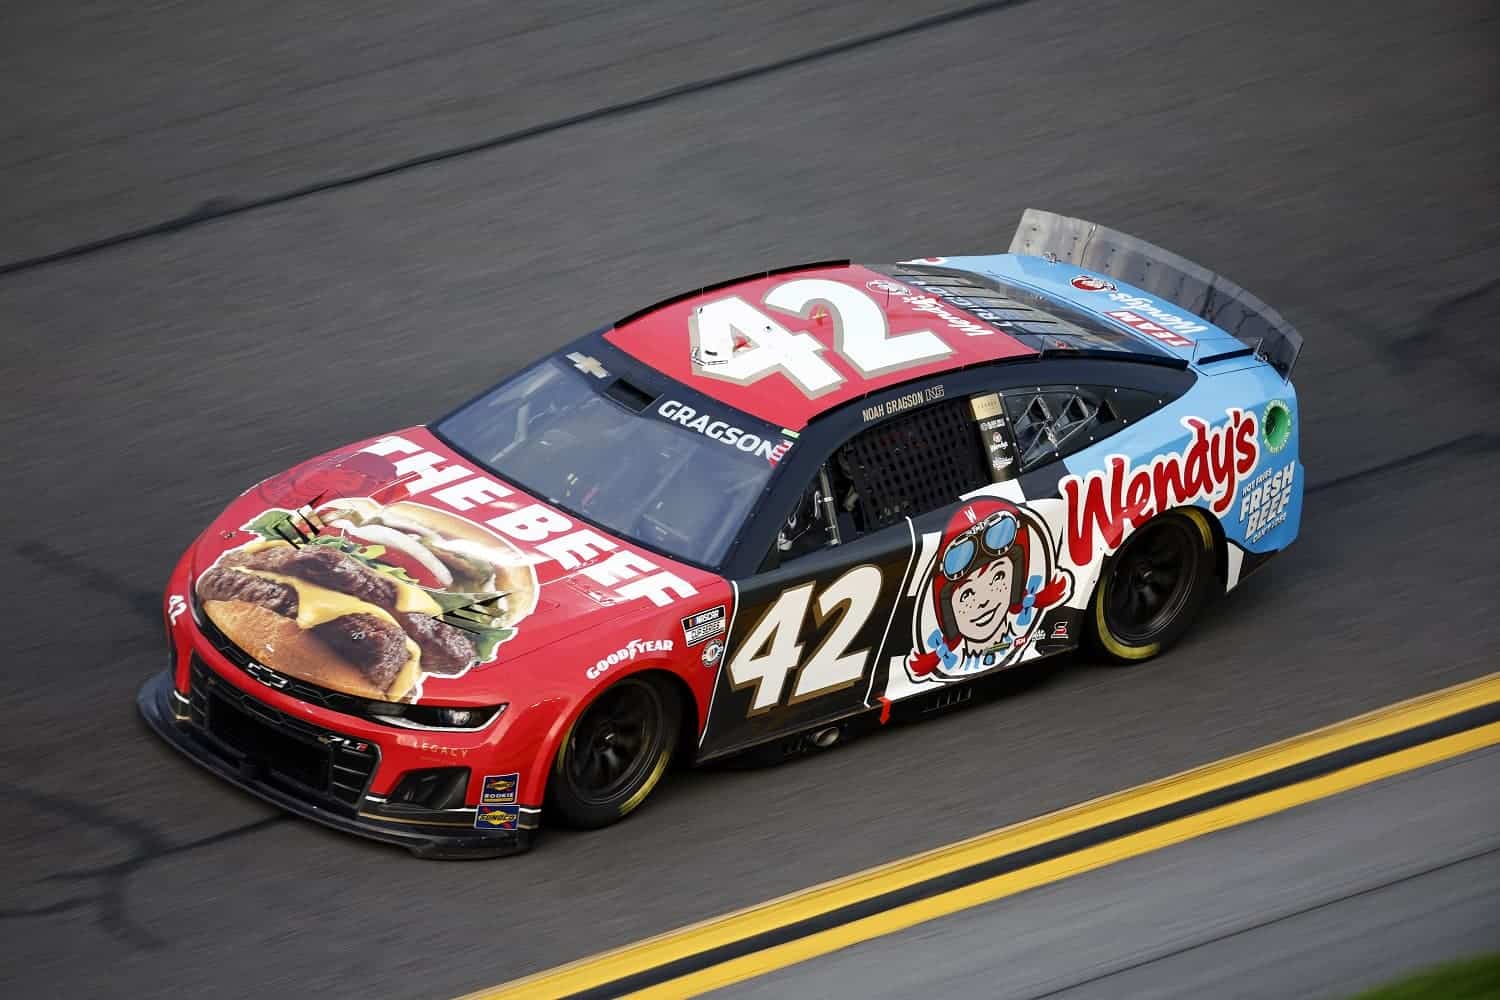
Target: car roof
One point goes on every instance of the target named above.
(787, 346)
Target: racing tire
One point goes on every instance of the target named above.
(615, 753)
(1152, 589)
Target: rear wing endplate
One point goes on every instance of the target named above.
(1165, 275)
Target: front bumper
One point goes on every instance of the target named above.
(174, 718)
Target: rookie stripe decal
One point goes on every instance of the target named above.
(919, 888)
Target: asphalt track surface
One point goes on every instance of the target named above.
(1336, 896)
(1338, 159)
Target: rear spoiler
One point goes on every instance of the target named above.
(1165, 275)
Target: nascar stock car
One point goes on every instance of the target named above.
(763, 516)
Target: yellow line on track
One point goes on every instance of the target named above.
(1175, 832)
(654, 952)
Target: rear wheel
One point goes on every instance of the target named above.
(615, 753)
(1151, 590)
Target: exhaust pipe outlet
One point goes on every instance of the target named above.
(825, 738)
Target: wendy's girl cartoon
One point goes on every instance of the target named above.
(994, 575)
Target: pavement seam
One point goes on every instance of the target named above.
(1479, 442)
(215, 209)
(104, 887)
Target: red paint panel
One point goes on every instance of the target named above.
(790, 346)
(581, 602)
(584, 628)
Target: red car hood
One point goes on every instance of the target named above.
(317, 572)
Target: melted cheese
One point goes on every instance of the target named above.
(316, 605)
(415, 600)
(409, 598)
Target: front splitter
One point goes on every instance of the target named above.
(425, 841)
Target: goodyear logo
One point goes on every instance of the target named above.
(497, 817)
(499, 789)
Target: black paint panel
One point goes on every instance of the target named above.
(732, 721)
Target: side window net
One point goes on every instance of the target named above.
(1053, 424)
(911, 465)
(1054, 421)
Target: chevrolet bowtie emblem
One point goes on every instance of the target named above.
(266, 676)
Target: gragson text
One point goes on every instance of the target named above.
(723, 432)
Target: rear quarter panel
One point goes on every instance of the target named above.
(1250, 470)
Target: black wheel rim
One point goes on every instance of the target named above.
(615, 743)
(1151, 581)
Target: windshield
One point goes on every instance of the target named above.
(667, 483)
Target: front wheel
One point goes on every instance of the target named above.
(615, 753)
(1151, 590)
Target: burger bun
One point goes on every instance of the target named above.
(291, 650)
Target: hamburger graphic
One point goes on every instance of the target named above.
(366, 598)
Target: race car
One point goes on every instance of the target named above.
(761, 517)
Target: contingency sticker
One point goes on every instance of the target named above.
(497, 817)
(703, 625)
(499, 789)
(990, 417)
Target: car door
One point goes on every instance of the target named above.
(807, 643)
(803, 638)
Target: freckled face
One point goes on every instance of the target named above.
(980, 602)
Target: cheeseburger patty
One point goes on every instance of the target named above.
(322, 566)
(374, 645)
(445, 649)
(227, 585)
